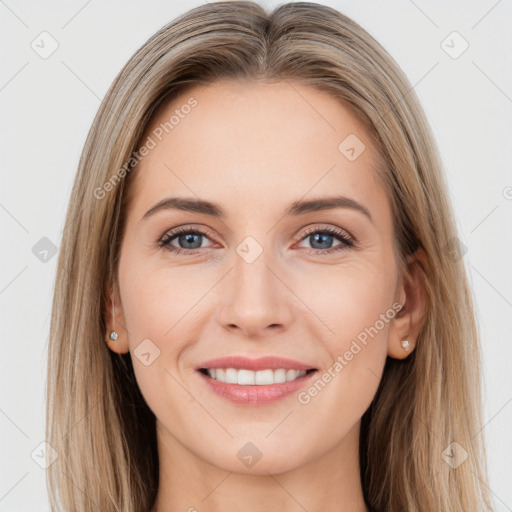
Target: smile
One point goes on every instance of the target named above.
(247, 394)
(244, 377)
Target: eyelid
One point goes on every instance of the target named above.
(346, 238)
(207, 232)
(171, 233)
(333, 230)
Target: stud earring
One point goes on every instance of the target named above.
(113, 334)
(406, 344)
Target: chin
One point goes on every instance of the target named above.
(258, 457)
(275, 464)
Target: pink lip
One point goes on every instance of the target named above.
(256, 395)
(262, 363)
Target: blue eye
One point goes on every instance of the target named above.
(324, 237)
(189, 240)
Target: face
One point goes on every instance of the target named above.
(310, 289)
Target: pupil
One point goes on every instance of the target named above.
(321, 236)
(189, 237)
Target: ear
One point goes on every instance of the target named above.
(114, 319)
(411, 294)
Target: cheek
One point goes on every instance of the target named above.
(348, 298)
(162, 308)
(157, 300)
(158, 308)
(145, 306)
(355, 308)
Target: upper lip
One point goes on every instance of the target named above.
(262, 363)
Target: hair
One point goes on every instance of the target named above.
(98, 421)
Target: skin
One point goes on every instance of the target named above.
(254, 149)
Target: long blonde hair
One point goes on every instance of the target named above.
(97, 420)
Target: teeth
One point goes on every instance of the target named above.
(251, 378)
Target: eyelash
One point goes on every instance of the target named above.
(169, 236)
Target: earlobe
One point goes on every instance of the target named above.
(116, 343)
(116, 336)
(406, 325)
(406, 345)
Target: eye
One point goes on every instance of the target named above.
(189, 237)
(321, 240)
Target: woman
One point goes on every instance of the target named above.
(207, 350)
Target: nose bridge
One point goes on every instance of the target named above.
(253, 277)
(254, 296)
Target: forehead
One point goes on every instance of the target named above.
(253, 145)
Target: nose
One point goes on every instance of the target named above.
(255, 300)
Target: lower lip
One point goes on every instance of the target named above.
(256, 394)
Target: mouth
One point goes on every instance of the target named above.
(255, 382)
(244, 377)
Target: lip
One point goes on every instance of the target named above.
(262, 363)
(256, 395)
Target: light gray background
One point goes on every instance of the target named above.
(47, 106)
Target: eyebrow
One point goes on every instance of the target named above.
(296, 208)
